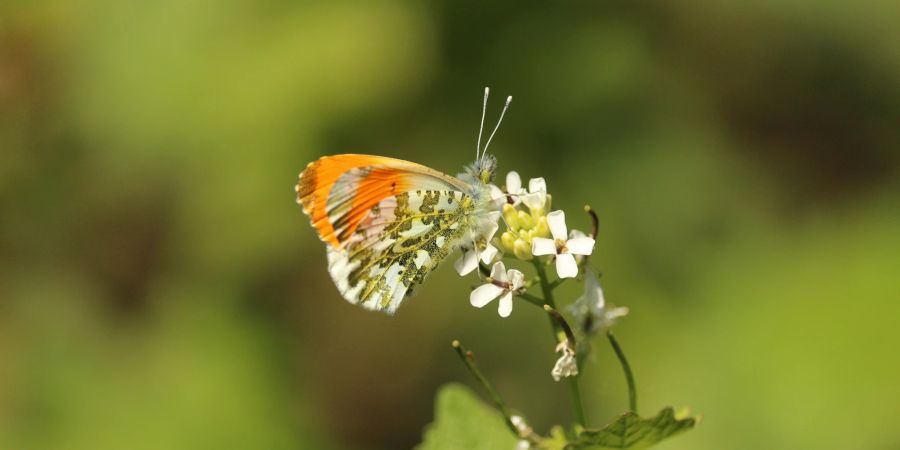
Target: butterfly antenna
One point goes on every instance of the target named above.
(505, 107)
(487, 91)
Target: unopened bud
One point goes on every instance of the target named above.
(525, 220)
(541, 229)
(511, 216)
(508, 240)
(522, 250)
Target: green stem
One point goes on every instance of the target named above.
(558, 333)
(629, 377)
(468, 358)
(530, 299)
(563, 324)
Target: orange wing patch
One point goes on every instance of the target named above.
(337, 192)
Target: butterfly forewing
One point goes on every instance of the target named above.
(338, 191)
(387, 223)
(397, 245)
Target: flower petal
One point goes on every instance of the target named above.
(576, 234)
(615, 313)
(542, 246)
(566, 266)
(488, 254)
(556, 220)
(516, 279)
(513, 182)
(580, 246)
(498, 198)
(498, 272)
(505, 307)
(593, 293)
(482, 295)
(535, 201)
(496, 192)
(537, 185)
(494, 218)
(466, 263)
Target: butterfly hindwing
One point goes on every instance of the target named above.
(397, 245)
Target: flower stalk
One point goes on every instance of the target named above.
(468, 358)
(595, 221)
(629, 377)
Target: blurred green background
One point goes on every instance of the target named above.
(160, 289)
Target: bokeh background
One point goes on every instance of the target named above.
(160, 289)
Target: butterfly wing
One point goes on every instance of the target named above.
(387, 223)
(401, 241)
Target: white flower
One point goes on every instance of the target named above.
(591, 309)
(479, 247)
(564, 248)
(503, 284)
(523, 445)
(536, 195)
(566, 366)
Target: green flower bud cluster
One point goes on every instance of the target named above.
(522, 227)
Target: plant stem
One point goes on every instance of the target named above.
(530, 298)
(629, 377)
(557, 332)
(561, 321)
(468, 358)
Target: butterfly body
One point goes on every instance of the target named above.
(388, 223)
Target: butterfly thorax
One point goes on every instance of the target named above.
(479, 176)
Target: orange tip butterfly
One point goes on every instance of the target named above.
(387, 223)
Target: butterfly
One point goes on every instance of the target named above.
(387, 223)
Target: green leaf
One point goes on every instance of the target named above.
(557, 440)
(632, 432)
(462, 421)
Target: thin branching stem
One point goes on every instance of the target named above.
(595, 221)
(468, 358)
(570, 336)
(557, 283)
(629, 377)
(531, 299)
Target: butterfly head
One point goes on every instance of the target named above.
(484, 168)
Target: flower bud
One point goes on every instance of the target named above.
(525, 220)
(511, 216)
(541, 229)
(522, 250)
(508, 240)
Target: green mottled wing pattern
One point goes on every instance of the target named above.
(400, 241)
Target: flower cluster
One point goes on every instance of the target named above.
(537, 234)
(531, 231)
(523, 226)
